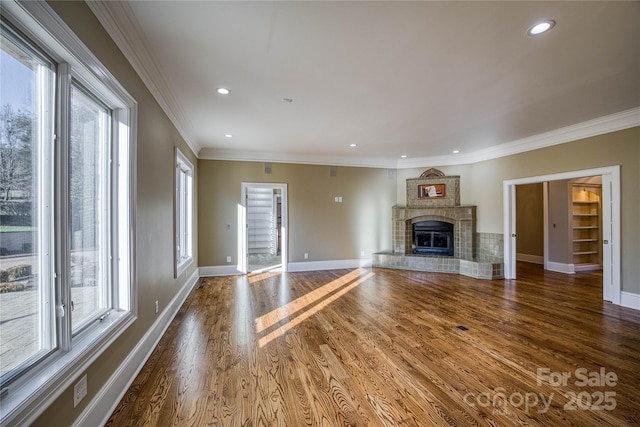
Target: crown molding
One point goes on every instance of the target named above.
(118, 20)
(606, 124)
(602, 125)
(270, 157)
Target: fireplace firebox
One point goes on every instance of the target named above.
(433, 238)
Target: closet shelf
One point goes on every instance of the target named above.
(585, 209)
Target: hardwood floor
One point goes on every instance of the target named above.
(377, 347)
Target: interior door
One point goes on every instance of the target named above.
(607, 235)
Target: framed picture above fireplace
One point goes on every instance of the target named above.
(431, 191)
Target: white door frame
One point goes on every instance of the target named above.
(242, 223)
(611, 221)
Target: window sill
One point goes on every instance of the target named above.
(28, 397)
(182, 267)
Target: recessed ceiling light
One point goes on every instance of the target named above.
(404, 156)
(353, 145)
(456, 151)
(228, 135)
(541, 27)
(223, 91)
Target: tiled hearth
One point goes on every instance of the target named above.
(480, 269)
(476, 255)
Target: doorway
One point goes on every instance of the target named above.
(610, 224)
(263, 227)
(547, 235)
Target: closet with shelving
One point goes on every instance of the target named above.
(586, 221)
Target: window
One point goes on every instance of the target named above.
(88, 208)
(26, 291)
(67, 144)
(184, 213)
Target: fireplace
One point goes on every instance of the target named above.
(433, 238)
(434, 232)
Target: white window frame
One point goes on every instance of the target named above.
(29, 394)
(184, 208)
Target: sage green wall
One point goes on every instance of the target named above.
(157, 139)
(560, 245)
(481, 184)
(317, 225)
(530, 220)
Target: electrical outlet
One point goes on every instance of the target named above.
(306, 255)
(228, 258)
(79, 390)
(157, 307)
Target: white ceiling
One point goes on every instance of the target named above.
(413, 78)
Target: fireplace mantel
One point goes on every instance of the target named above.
(463, 219)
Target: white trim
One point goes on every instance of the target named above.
(106, 400)
(209, 153)
(509, 223)
(219, 270)
(232, 270)
(611, 173)
(119, 22)
(630, 300)
(183, 164)
(545, 224)
(599, 126)
(329, 265)
(611, 123)
(535, 259)
(611, 214)
(559, 267)
(62, 42)
(587, 267)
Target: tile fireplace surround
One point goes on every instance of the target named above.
(476, 255)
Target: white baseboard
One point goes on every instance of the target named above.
(534, 259)
(328, 265)
(99, 410)
(629, 300)
(231, 270)
(561, 268)
(587, 267)
(219, 270)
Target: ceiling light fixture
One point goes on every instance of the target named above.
(353, 145)
(228, 135)
(404, 156)
(223, 91)
(456, 151)
(541, 27)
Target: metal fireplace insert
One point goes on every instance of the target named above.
(433, 238)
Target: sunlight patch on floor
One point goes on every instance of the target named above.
(253, 278)
(342, 285)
